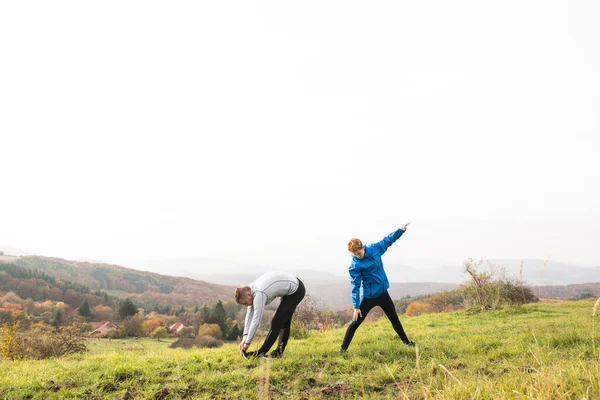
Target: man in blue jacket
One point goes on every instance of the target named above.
(367, 271)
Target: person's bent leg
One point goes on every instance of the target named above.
(282, 315)
(365, 306)
(284, 335)
(390, 311)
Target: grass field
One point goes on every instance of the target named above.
(540, 351)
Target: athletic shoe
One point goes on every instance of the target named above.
(410, 343)
(247, 354)
(276, 354)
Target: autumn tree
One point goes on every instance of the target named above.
(219, 316)
(150, 323)
(234, 332)
(159, 333)
(212, 330)
(180, 311)
(132, 326)
(418, 308)
(84, 310)
(56, 321)
(127, 308)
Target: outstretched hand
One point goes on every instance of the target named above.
(405, 226)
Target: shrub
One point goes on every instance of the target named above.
(583, 296)
(492, 289)
(183, 343)
(200, 341)
(307, 314)
(159, 333)
(132, 326)
(418, 308)
(42, 342)
(445, 301)
(210, 330)
(11, 346)
(208, 341)
(187, 332)
(298, 331)
(403, 303)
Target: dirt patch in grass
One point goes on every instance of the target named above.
(162, 393)
(337, 390)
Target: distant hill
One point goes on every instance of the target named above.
(13, 251)
(126, 282)
(555, 273)
(568, 291)
(202, 280)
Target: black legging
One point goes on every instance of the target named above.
(282, 320)
(385, 302)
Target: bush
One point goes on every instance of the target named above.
(208, 341)
(491, 289)
(307, 314)
(200, 341)
(210, 330)
(445, 301)
(402, 303)
(298, 331)
(418, 308)
(42, 342)
(11, 346)
(132, 326)
(159, 333)
(583, 296)
(183, 343)
(187, 332)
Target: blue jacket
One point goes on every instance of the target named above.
(368, 271)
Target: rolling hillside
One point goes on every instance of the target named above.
(125, 282)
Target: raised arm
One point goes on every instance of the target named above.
(382, 246)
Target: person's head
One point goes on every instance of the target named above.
(356, 247)
(243, 295)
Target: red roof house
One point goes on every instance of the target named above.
(176, 327)
(100, 328)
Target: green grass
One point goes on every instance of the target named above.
(542, 351)
(116, 293)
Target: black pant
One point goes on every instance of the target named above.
(385, 302)
(282, 320)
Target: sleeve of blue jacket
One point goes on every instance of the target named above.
(356, 280)
(387, 241)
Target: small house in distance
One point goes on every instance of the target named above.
(100, 328)
(176, 327)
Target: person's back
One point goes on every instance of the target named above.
(275, 284)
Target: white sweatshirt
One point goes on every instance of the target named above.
(264, 290)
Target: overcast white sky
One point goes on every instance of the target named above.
(273, 132)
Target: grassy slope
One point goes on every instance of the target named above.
(544, 351)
